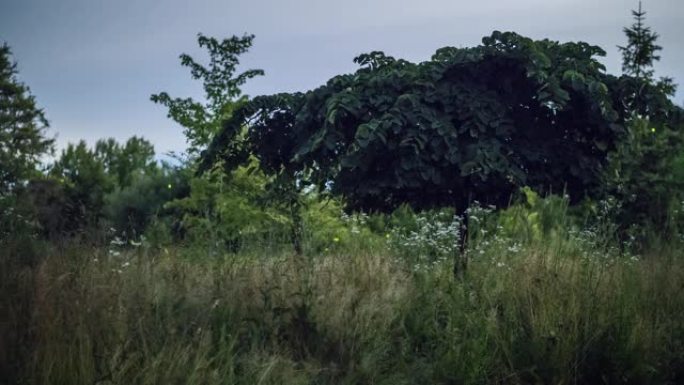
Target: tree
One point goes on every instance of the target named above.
(123, 162)
(646, 175)
(222, 90)
(640, 53)
(471, 123)
(638, 57)
(22, 127)
(132, 207)
(86, 183)
(646, 169)
(90, 175)
(209, 198)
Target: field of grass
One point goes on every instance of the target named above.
(553, 311)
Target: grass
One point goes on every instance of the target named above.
(549, 312)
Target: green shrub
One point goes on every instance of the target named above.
(230, 213)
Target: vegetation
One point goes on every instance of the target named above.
(311, 237)
(442, 132)
(543, 302)
(22, 127)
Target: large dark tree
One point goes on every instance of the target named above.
(471, 123)
(22, 127)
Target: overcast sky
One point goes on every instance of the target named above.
(93, 64)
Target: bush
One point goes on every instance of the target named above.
(229, 213)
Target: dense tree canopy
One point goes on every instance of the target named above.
(88, 175)
(471, 123)
(123, 162)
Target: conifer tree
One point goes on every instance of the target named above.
(638, 58)
(22, 127)
(640, 53)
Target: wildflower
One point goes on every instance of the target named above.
(117, 242)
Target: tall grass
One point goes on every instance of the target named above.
(556, 308)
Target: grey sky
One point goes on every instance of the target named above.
(93, 64)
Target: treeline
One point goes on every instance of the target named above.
(469, 125)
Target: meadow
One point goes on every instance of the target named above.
(400, 224)
(544, 299)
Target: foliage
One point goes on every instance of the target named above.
(222, 210)
(89, 175)
(131, 208)
(221, 88)
(22, 128)
(229, 212)
(643, 181)
(638, 58)
(22, 144)
(125, 162)
(647, 178)
(640, 53)
(86, 183)
(441, 132)
(532, 220)
(327, 229)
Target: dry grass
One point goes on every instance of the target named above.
(540, 316)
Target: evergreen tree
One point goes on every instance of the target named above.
(640, 53)
(22, 127)
(638, 57)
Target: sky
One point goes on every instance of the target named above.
(93, 64)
